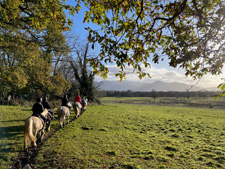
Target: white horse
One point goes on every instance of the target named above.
(62, 112)
(78, 108)
(33, 130)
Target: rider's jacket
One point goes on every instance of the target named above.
(64, 102)
(77, 99)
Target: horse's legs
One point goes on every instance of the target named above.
(34, 142)
(48, 125)
(63, 121)
(75, 111)
(60, 122)
(42, 135)
(25, 142)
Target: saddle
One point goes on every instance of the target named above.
(50, 114)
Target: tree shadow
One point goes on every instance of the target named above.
(10, 121)
(27, 109)
(10, 141)
(12, 131)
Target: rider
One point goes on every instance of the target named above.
(65, 102)
(38, 109)
(83, 103)
(47, 106)
(77, 98)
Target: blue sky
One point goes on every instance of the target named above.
(160, 71)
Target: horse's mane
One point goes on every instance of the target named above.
(45, 112)
(69, 104)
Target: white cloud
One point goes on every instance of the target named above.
(165, 75)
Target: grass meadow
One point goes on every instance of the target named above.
(127, 133)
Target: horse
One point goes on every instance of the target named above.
(62, 112)
(48, 121)
(78, 108)
(33, 130)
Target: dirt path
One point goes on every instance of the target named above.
(28, 157)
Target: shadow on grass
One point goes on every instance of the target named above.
(12, 131)
(28, 109)
(10, 121)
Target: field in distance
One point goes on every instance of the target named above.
(198, 102)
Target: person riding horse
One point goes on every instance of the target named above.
(65, 102)
(81, 101)
(77, 98)
(38, 109)
(47, 106)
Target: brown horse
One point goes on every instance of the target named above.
(33, 130)
(62, 112)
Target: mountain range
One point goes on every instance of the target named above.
(157, 86)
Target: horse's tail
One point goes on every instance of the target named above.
(28, 132)
(76, 108)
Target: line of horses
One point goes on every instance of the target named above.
(34, 128)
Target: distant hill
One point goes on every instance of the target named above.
(157, 86)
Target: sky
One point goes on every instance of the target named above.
(161, 71)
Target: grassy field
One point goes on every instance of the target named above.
(127, 133)
(12, 120)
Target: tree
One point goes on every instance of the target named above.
(31, 37)
(33, 17)
(83, 76)
(189, 32)
(154, 94)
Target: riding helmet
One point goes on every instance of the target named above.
(39, 99)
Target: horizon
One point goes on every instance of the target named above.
(112, 85)
(165, 75)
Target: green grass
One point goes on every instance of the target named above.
(11, 135)
(138, 136)
(12, 119)
(119, 134)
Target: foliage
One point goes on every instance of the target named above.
(222, 92)
(31, 37)
(189, 33)
(35, 15)
(60, 85)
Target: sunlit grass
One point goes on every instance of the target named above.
(139, 136)
(125, 133)
(11, 135)
(12, 119)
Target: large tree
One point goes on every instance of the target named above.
(190, 33)
(83, 76)
(31, 37)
